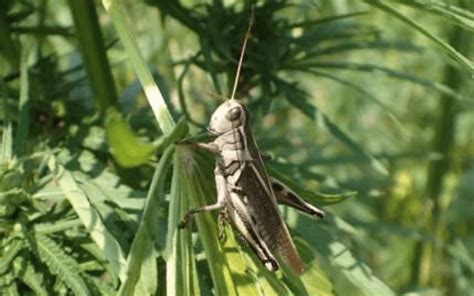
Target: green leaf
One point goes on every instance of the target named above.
(193, 176)
(232, 268)
(127, 149)
(339, 256)
(21, 135)
(181, 272)
(27, 274)
(178, 132)
(448, 49)
(370, 68)
(314, 277)
(94, 56)
(314, 197)
(124, 26)
(8, 286)
(328, 19)
(6, 152)
(9, 253)
(298, 98)
(449, 11)
(59, 263)
(89, 216)
(141, 273)
(364, 94)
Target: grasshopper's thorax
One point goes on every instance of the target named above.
(228, 123)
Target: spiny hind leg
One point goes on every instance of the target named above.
(249, 235)
(286, 196)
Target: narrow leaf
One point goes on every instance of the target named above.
(448, 49)
(201, 193)
(124, 26)
(456, 14)
(141, 261)
(21, 136)
(314, 197)
(298, 98)
(181, 273)
(340, 257)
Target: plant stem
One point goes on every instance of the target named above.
(93, 52)
(9, 48)
(123, 25)
(428, 254)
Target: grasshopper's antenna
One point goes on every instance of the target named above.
(242, 52)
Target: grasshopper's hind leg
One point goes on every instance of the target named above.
(219, 205)
(286, 196)
(249, 234)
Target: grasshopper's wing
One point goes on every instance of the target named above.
(263, 211)
(284, 195)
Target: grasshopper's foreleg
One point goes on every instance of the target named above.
(219, 205)
(211, 146)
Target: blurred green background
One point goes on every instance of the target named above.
(365, 108)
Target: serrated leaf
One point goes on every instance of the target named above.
(27, 274)
(8, 286)
(59, 263)
(90, 218)
(9, 253)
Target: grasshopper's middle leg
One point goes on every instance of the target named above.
(221, 199)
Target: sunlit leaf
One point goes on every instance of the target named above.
(127, 149)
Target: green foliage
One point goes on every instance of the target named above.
(93, 180)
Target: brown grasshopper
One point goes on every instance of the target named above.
(246, 196)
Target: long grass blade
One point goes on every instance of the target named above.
(123, 25)
(21, 136)
(298, 98)
(462, 60)
(370, 68)
(141, 273)
(456, 14)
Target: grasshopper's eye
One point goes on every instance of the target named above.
(234, 114)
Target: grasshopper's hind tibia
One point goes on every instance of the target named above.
(250, 235)
(286, 196)
(219, 205)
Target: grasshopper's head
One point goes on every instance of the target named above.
(229, 115)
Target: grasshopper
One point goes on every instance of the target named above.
(246, 196)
